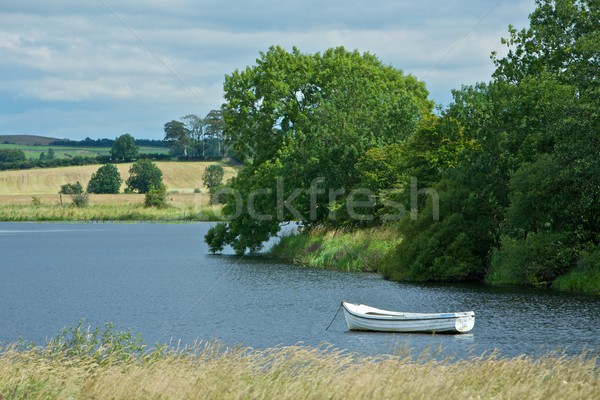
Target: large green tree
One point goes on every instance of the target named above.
(144, 175)
(302, 121)
(124, 148)
(522, 202)
(178, 136)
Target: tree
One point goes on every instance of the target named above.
(214, 126)
(12, 155)
(195, 129)
(124, 148)
(299, 120)
(213, 176)
(106, 179)
(521, 203)
(179, 138)
(143, 175)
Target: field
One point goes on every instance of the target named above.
(32, 195)
(180, 177)
(34, 151)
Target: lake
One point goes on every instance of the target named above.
(159, 281)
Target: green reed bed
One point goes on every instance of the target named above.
(83, 363)
(349, 250)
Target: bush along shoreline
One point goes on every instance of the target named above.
(376, 250)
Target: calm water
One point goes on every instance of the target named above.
(158, 280)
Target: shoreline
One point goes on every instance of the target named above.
(364, 250)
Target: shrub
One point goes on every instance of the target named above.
(105, 180)
(71, 188)
(156, 197)
(80, 199)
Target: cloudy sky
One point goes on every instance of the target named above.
(101, 68)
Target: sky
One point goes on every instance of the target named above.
(101, 68)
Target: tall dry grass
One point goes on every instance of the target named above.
(212, 371)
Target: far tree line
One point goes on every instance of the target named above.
(190, 138)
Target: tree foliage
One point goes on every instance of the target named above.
(11, 155)
(194, 137)
(156, 196)
(513, 163)
(124, 148)
(529, 184)
(213, 176)
(143, 175)
(300, 119)
(106, 179)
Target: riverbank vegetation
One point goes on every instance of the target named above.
(122, 207)
(348, 250)
(501, 186)
(85, 363)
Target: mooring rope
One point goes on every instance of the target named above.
(336, 314)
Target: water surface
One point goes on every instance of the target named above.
(160, 281)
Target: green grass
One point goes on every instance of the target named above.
(583, 279)
(85, 363)
(360, 250)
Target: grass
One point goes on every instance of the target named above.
(581, 279)
(356, 250)
(121, 207)
(118, 369)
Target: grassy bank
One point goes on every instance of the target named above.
(212, 371)
(364, 250)
(360, 250)
(118, 207)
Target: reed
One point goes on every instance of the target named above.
(210, 370)
(104, 212)
(349, 250)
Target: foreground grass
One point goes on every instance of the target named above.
(213, 371)
(358, 250)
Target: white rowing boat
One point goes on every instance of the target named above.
(364, 318)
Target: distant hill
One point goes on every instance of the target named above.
(30, 140)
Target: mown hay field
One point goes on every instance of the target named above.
(180, 177)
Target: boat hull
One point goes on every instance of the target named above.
(364, 318)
